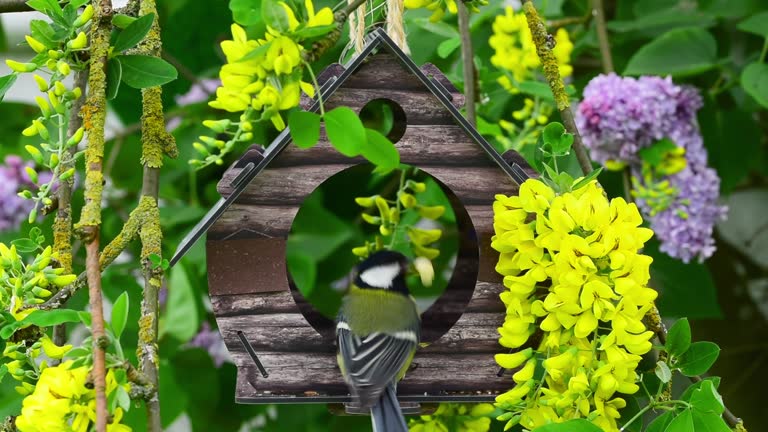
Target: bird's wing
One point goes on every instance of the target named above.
(374, 361)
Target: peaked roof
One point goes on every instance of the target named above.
(376, 39)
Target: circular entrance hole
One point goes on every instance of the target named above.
(385, 116)
(330, 224)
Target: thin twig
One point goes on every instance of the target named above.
(14, 6)
(602, 35)
(94, 114)
(552, 74)
(468, 64)
(156, 142)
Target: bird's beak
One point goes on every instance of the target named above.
(425, 270)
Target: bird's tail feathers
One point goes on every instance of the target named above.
(386, 415)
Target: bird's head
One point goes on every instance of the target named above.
(387, 270)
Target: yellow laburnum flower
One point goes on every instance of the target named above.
(323, 17)
(515, 50)
(571, 266)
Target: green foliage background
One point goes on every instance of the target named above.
(707, 43)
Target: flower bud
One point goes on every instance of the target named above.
(364, 201)
(51, 64)
(79, 42)
(201, 149)
(59, 88)
(55, 54)
(20, 67)
(41, 292)
(76, 137)
(84, 17)
(55, 102)
(64, 280)
(29, 131)
(407, 200)
(511, 361)
(246, 126)
(431, 212)
(35, 44)
(66, 175)
(31, 173)
(32, 215)
(246, 136)
(35, 153)
(41, 129)
(63, 67)
(44, 107)
(42, 84)
(373, 220)
(217, 126)
(361, 251)
(25, 194)
(53, 162)
(76, 93)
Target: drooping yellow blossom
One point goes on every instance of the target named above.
(571, 268)
(515, 51)
(455, 418)
(62, 402)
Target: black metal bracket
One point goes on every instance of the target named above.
(252, 353)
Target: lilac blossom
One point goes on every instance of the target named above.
(620, 116)
(211, 341)
(13, 209)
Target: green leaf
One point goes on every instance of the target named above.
(380, 151)
(41, 318)
(709, 422)
(84, 317)
(683, 422)
(755, 24)
(679, 337)
(25, 245)
(448, 46)
(707, 399)
(662, 371)
(122, 21)
(536, 88)
(313, 32)
(245, 12)
(660, 423)
(754, 79)
(274, 15)
(134, 33)
(664, 20)
(43, 32)
(114, 75)
(6, 82)
(577, 425)
(257, 52)
(439, 28)
(140, 71)
(654, 155)
(48, 7)
(555, 136)
(699, 357)
(303, 270)
(588, 178)
(345, 131)
(120, 314)
(680, 52)
(181, 316)
(305, 128)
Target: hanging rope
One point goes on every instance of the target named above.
(357, 28)
(395, 28)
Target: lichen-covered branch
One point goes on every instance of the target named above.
(468, 64)
(94, 114)
(543, 43)
(156, 143)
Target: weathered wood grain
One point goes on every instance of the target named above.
(485, 298)
(290, 186)
(420, 145)
(421, 108)
(430, 372)
(275, 221)
(255, 265)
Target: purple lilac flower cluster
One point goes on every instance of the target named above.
(13, 178)
(620, 116)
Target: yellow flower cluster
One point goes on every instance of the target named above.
(30, 284)
(22, 361)
(532, 117)
(451, 417)
(265, 74)
(61, 401)
(572, 270)
(438, 7)
(515, 51)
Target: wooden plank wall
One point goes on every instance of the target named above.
(248, 282)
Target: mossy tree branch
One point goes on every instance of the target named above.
(156, 143)
(94, 115)
(552, 74)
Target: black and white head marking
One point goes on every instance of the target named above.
(383, 270)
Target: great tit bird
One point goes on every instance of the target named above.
(377, 332)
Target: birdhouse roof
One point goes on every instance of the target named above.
(432, 79)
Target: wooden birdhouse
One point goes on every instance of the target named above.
(285, 352)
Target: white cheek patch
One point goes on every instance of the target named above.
(381, 276)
